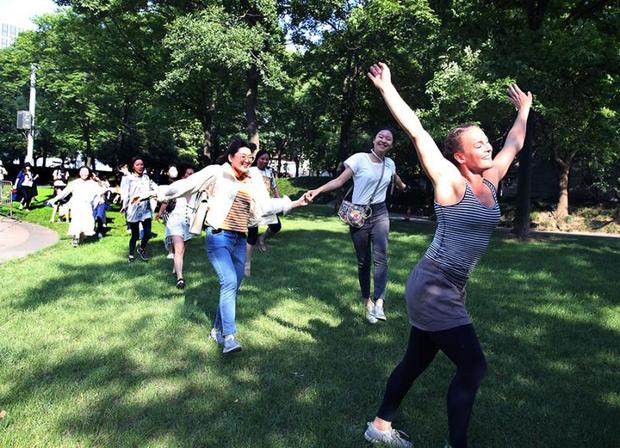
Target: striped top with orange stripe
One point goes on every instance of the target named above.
(239, 213)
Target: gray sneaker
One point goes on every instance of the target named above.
(392, 437)
(231, 345)
(370, 315)
(216, 335)
(378, 312)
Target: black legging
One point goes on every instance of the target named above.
(26, 194)
(461, 345)
(135, 235)
(253, 231)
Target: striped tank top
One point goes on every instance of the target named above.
(463, 233)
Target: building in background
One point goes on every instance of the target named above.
(8, 33)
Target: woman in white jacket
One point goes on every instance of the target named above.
(236, 202)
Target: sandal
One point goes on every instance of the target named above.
(180, 283)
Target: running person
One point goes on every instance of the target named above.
(137, 184)
(177, 228)
(236, 202)
(372, 173)
(465, 183)
(260, 169)
(85, 196)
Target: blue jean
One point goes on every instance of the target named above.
(226, 252)
(372, 237)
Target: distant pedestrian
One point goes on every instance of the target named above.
(138, 213)
(85, 196)
(25, 185)
(262, 172)
(178, 214)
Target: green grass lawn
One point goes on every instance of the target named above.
(96, 352)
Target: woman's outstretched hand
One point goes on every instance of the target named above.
(380, 75)
(301, 202)
(519, 98)
(310, 195)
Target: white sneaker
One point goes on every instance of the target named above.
(216, 335)
(231, 344)
(370, 315)
(378, 312)
(393, 437)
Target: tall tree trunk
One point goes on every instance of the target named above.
(88, 152)
(347, 107)
(561, 209)
(535, 11)
(207, 143)
(521, 223)
(251, 103)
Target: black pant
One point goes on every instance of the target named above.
(135, 235)
(461, 345)
(26, 194)
(253, 231)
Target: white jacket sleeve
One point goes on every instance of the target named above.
(190, 185)
(274, 206)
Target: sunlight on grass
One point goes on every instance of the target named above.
(96, 352)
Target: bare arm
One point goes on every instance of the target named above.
(331, 185)
(433, 162)
(399, 183)
(516, 136)
(63, 194)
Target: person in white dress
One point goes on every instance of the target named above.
(86, 195)
(178, 222)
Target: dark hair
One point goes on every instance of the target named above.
(184, 169)
(27, 164)
(260, 153)
(133, 161)
(234, 148)
(90, 172)
(252, 146)
(452, 142)
(386, 128)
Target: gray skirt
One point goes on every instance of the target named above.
(434, 303)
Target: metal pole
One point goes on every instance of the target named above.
(33, 101)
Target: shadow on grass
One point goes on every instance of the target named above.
(313, 371)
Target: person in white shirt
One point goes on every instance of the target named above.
(372, 173)
(25, 185)
(178, 214)
(261, 171)
(3, 171)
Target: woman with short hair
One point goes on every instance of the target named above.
(236, 202)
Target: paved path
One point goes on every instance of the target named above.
(18, 239)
